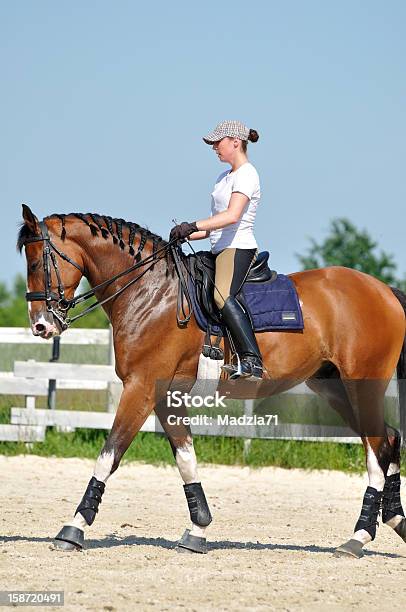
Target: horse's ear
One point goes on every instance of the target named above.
(30, 219)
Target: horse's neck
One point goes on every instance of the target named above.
(109, 260)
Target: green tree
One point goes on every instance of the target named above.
(4, 304)
(4, 295)
(347, 246)
(96, 318)
(13, 307)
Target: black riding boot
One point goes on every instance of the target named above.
(239, 325)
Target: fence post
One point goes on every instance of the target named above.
(51, 382)
(113, 389)
(248, 411)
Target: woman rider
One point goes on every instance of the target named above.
(230, 230)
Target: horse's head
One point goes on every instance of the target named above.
(54, 270)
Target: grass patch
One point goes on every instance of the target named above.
(70, 353)
(307, 455)
(66, 399)
(154, 448)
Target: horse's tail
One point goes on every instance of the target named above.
(401, 370)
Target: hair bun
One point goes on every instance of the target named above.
(253, 136)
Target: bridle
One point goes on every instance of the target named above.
(48, 261)
(56, 303)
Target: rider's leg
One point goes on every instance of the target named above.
(232, 267)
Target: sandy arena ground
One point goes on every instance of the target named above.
(271, 541)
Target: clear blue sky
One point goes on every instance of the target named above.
(103, 106)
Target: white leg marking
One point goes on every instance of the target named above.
(377, 481)
(187, 464)
(103, 466)
(394, 521)
(78, 521)
(362, 536)
(394, 468)
(375, 473)
(198, 531)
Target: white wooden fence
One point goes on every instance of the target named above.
(32, 383)
(31, 379)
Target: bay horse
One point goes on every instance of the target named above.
(354, 334)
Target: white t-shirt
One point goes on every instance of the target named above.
(239, 235)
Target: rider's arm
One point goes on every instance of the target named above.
(233, 214)
(199, 235)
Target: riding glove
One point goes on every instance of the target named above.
(182, 231)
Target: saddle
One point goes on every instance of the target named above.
(202, 268)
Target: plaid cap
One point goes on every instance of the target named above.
(233, 129)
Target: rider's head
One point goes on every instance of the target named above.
(229, 140)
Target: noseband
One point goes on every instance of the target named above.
(63, 305)
(49, 261)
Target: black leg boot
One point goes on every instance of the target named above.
(239, 325)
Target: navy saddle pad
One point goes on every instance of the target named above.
(274, 306)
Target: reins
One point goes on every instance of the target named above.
(64, 305)
(183, 291)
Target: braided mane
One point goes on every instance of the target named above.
(106, 227)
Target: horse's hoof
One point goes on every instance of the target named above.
(180, 549)
(69, 538)
(352, 548)
(191, 543)
(401, 529)
(65, 546)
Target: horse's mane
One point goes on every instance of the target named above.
(24, 234)
(101, 225)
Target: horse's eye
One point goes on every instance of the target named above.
(34, 265)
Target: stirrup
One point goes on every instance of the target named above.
(255, 371)
(229, 368)
(250, 368)
(232, 368)
(257, 374)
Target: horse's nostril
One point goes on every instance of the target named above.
(39, 327)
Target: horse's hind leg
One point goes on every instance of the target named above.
(360, 404)
(328, 384)
(392, 511)
(367, 401)
(181, 441)
(135, 405)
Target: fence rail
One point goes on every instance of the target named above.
(32, 379)
(23, 335)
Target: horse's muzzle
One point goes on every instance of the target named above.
(46, 326)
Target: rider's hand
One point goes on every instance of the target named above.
(182, 231)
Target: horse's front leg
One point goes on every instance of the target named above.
(181, 441)
(134, 407)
